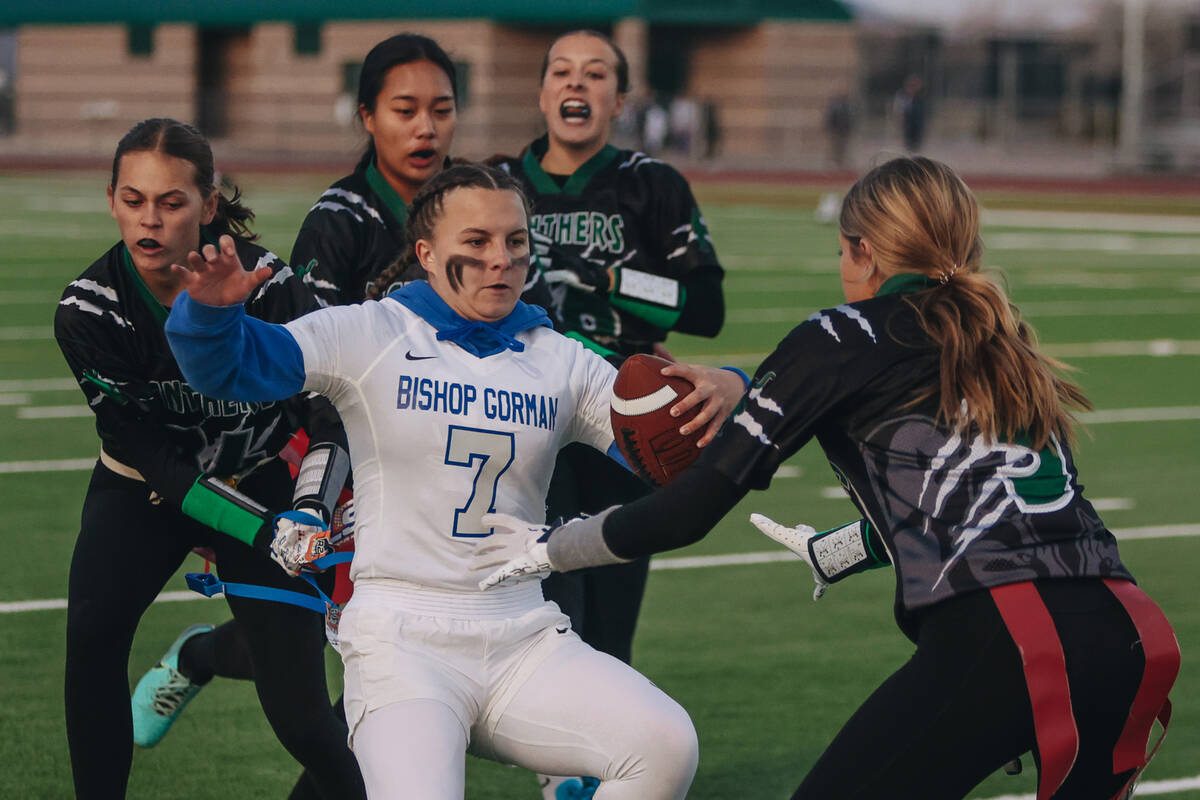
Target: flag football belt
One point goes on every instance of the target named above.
(209, 585)
(124, 470)
(1029, 623)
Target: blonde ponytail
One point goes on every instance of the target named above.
(919, 217)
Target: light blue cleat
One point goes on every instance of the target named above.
(162, 693)
(577, 788)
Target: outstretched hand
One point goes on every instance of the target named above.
(215, 276)
(795, 539)
(717, 392)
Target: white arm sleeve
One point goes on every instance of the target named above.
(333, 342)
(593, 376)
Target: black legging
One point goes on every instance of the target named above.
(602, 602)
(959, 709)
(126, 551)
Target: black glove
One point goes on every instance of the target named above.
(561, 267)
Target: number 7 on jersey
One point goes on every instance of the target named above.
(489, 453)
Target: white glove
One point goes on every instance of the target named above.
(300, 539)
(516, 551)
(795, 539)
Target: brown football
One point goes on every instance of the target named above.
(646, 433)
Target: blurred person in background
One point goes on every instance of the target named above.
(643, 265)
(710, 127)
(176, 470)
(839, 122)
(952, 434)
(909, 106)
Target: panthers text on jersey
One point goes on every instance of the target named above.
(636, 214)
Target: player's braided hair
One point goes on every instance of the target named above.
(919, 217)
(180, 140)
(403, 48)
(426, 210)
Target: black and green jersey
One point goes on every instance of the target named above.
(956, 511)
(636, 214)
(110, 330)
(354, 232)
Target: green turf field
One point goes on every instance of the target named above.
(767, 675)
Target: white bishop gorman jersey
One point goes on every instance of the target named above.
(439, 437)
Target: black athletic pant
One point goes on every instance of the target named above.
(959, 709)
(126, 551)
(602, 602)
(224, 652)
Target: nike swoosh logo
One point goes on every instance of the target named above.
(411, 357)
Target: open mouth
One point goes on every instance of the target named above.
(423, 155)
(575, 111)
(149, 244)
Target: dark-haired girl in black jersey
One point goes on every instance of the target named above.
(353, 237)
(178, 470)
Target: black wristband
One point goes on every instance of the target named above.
(842, 552)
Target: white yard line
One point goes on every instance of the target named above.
(52, 411)
(1109, 308)
(39, 385)
(659, 562)
(27, 298)
(1156, 532)
(1091, 221)
(1151, 347)
(1113, 503)
(26, 333)
(1094, 242)
(1144, 789)
(1168, 414)
(1036, 308)
(50, 605)
(55, 465)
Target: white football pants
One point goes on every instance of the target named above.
(422, 689)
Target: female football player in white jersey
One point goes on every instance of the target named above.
(456, 398)
(951, 433)
(351, 240)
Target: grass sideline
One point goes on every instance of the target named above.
(767, 675)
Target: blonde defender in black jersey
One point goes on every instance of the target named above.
(628, 259)
(952, 435)
(177, 470)
(351, 241)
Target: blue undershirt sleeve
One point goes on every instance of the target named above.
(228, 355)
(616, 455)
